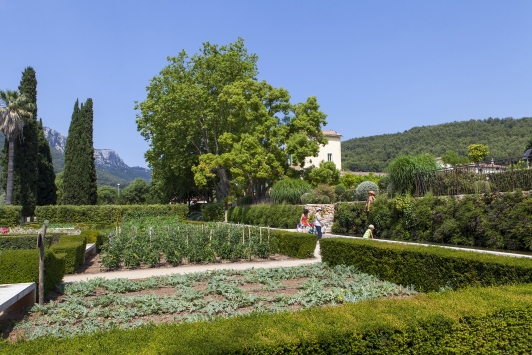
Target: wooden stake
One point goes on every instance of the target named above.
(40, 243)
(260, 235)
(242, 235)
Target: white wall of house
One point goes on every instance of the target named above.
(331, 152)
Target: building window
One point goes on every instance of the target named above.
(329, 156)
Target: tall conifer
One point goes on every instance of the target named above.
(79, 177)
(46, 189)
(71, 172)
(27, 151)
(89, 168)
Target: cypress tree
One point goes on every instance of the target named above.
(89, 168)
(27, 151)
(79, 177)
(46, 189)
(71, 173)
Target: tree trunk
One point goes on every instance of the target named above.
(10, 171)
(222, 187)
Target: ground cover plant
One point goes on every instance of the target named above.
(147, 240)
(100, 304)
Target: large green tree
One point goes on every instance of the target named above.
(207, 114)
(15, 111)
(46, 189)
(26, 160)
(79, 177)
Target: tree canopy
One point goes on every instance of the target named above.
(212, 125)
(506, 138)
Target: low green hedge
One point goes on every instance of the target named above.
(17, 266)
(426, 268)
(73, 247)
(93, 236)
(276, 216)
(107, 214)
(213, 212)
(12, 242)
(470, 321)
(10, 216)
(295, 245)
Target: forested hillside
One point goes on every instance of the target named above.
(505, 137)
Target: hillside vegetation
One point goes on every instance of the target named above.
(505, 137)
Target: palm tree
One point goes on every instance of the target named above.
(14, 110)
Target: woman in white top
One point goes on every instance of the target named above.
(317, 221)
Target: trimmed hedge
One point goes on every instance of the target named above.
(18, 266)
(426, 268)
(500, 221)
(73, 247)
(276, 216)
(94, 236)
(470, 321)
(14, 242)
(213, 212)
(107, 214)
(295, 245)
(10, 216)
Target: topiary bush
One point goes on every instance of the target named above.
(309, 198)
(213, 212)
(363, 188)
(289, 191)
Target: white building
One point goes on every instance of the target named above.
(331, 152)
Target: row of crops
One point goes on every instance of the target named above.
(148, 241)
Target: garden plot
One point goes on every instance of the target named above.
(99, 304)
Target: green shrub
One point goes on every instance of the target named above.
(293, 244)
(324, 190)
(14, 242)
(426, 268)
(470, 321)
(502, 221)
(17, 266)
(107, 214)
(213, 212)
(93, 236)
(74, 249)
(246, 200)
(361, 192)
(309, 198)
(403, 171)
(276, 216)
(289, 191)
(10, 216)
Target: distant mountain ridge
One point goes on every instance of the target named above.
(110, 168)
(506, 137)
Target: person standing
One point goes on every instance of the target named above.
(317, 222)
(303, 221)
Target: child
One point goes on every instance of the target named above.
(369, 232)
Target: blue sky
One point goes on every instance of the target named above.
(375, 66)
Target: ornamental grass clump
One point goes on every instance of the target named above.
(289, 191)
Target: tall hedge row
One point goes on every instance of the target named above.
(471, 321)
(107, 214)
(10, 216)
(293, 244)
(501, 221)
(277, 216)
(17, 266)
(426, 268)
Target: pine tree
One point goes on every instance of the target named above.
(27, 151)
(46, 189)
(79, 177)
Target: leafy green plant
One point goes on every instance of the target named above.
(289, 191)
(362, 190)
(403, 171)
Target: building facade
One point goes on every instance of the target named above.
(331, 152)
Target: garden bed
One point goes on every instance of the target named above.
(99, 304)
